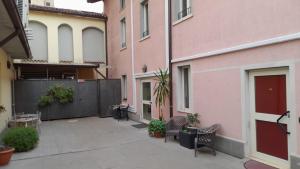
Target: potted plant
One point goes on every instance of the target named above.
(161, 90)
(5, 154)
(2, 109)
(157, 128)
(188, 134)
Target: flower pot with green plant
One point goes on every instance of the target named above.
(2, 109)
(161, 90)
(188, 134)
(157, 128)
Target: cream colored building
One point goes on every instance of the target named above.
(65, 44)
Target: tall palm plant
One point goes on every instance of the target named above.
(161, 90)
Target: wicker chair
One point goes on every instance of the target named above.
(206, 138)
(174, 125)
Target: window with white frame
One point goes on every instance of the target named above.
(182, 8)
(124, 87)
(184, 90)
(122, 4)
(144, 19)
(123, 33)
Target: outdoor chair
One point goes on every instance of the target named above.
(124, 112)
(174, 125)
(206, 138)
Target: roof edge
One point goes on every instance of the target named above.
(67, 11)
(13, 13)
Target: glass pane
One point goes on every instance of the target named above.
(147, 112)
(147, 91)
(186, 88)
(270, 94)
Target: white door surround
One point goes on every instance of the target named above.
(288, 66)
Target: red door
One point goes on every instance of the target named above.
(269, 104)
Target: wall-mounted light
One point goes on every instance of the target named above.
(144, 68)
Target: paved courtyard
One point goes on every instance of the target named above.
(94, 143)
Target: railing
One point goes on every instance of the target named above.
(184, 12)
(281, 125)
(145, 33)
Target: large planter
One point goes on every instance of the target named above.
(5, 155)
(187, 139)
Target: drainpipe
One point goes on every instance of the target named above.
(170, 57)
(106, 54)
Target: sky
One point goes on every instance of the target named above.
(79, 5)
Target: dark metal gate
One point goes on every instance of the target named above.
(91, 98)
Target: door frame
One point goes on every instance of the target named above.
(245, 102)
(142, 101)
(255, 154)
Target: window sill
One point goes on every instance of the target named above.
(123, 49)
(144, 38)
(184, 111)
(182, 19)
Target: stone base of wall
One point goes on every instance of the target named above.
(230, 147)
(295, 162)
(134, 116)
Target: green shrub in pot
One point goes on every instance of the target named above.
(157, 128)
(22, 139)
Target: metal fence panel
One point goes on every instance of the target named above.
(91, 98)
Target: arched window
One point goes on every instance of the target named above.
(39, 41)
(65, 43)
(93, 45)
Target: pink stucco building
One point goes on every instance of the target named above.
(235, 63)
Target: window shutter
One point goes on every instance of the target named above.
(39, 42)
(65, 43)
(93, 45)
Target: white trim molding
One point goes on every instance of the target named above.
(275, 40)
(144, 75)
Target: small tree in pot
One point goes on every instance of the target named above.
(161, 90)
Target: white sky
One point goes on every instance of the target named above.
(79, 5)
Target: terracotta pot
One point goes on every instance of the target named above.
(158, 135)
(5, 155)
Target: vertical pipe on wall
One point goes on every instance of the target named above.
(106, 54)
(170, 57)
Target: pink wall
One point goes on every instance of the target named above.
(232, 22)
(298, 102)
(120, 60)
(217, 84)
(150, 51)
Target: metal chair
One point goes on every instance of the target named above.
(174, 125)
(206, 138)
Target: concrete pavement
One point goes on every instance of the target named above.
(94, 143)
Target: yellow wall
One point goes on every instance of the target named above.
(53, 21)
(77, 23)
(6, 75)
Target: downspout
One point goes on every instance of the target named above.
(170, 57)
(106, 49)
